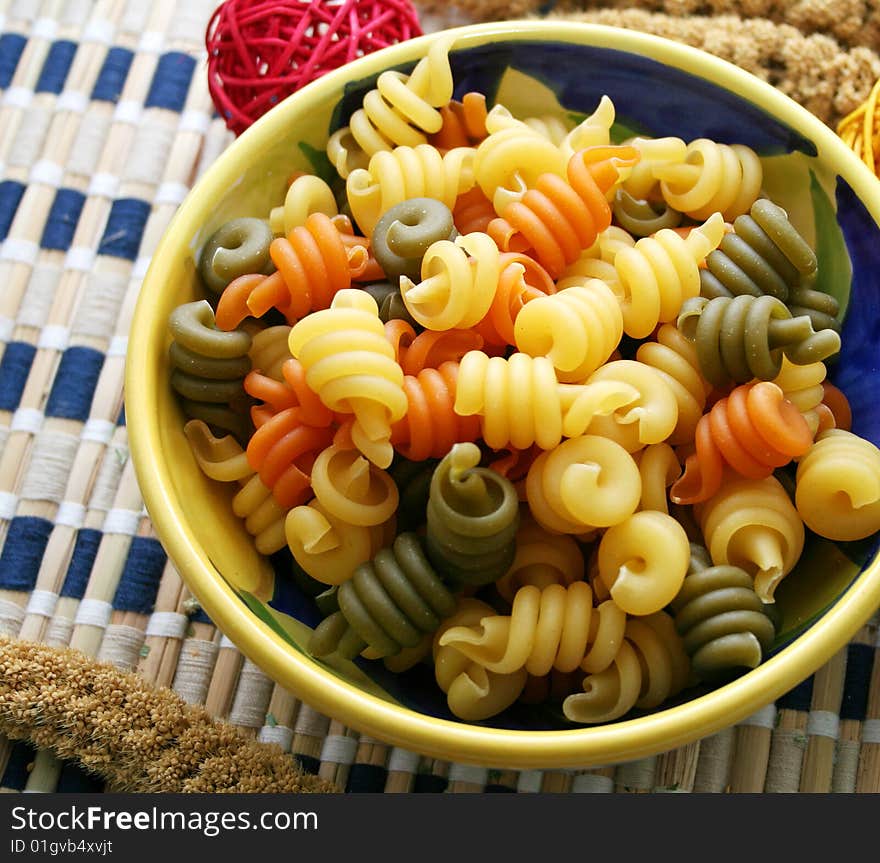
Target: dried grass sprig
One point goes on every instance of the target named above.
(138, 737)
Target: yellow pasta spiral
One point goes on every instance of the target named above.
(643, 561)
(649, 417)
(802, 386)
(328, 548)
(650, 667)
(675, 357)
(546, 629)
(352, 489)
(585, 482)
(459, 280)
(399, 111)
(660, 272)
(577, 328)
(521, 403)
(542, 558)
(394, 176)
(352, 367)
(472, 691)
(512, 157)
(659, 468)
(752, 524)
(837, 490)
(713, 178)
(224, 460)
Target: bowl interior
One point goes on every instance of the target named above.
(531, 76)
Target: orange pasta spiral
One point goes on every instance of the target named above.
(313, 263)
(431, 426)
(463, 124)
(472, 211)
(522, 279)
(556, 219)
(429, 349)
(291, 392)
(754, 430)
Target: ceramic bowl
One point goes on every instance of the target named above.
(658, 88)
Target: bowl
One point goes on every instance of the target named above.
(658, 88)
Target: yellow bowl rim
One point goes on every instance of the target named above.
(589, 746)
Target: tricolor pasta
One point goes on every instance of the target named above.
(544, 410)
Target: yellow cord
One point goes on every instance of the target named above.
(861, 130)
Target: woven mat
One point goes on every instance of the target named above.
(105, 123)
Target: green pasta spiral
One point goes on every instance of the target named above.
(473, 515)
(822, 309)
(643, 218)
(209, 366)
(764, 254)
(725, 626)
(405, 231)
(237, 247)
(413, 480)
(390, 302)
(389, 603)
(745, 337)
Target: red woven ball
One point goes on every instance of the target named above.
(261, 51)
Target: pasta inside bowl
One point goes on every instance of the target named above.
(559, 74)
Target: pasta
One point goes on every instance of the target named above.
(208, 368)
(640, 217)
(394, 176)
(521, 280)
(352, 489)
(350, 365)
(462, 123)
(458, 283)
(585, 482)
(313, 265)
(660, 272)
(675, 358)
(390, 603)
(472, 516)
(658, 469)
(520, 403)
(752, 523)
(390, 302)
(712, 178)
(547, 628)
(837, 489)
(224, 460)
(745, 337)
(431, 427)
(557, 219)
(237, 247)
(269, 351)
(577, 329)
(650, 666)
(542, 558)
(763, 254)
(329, 549)
(512, 157)
(754, 430)
(401, 110)
(804, 387)
(643, 561)
(405, 231)
(307, 194)
(648, 417)
(725, 627)
(472, 691)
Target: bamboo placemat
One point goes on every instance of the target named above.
(105, 123)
